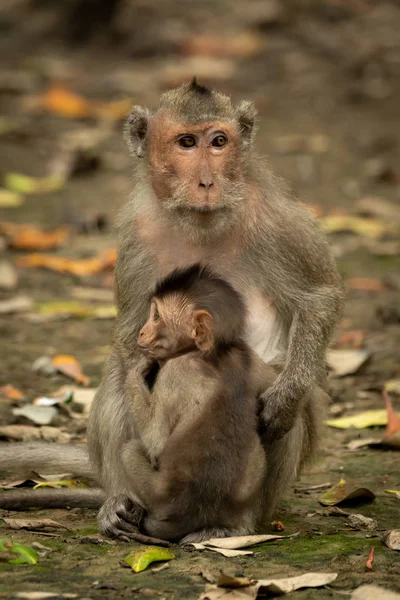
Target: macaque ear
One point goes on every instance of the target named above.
(246, 114)
(136, 130)
(202, 332)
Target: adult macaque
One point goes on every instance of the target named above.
(198, 425)
(201, 194)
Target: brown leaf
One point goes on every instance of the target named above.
(242, 45)
(69, 365)
(77, 267)
(11, 392)
(29, 237)
(228, 581)
(32, 523)
(353, 338)
(366, 284)
(278, 526)
(59, 100)
(344, 492)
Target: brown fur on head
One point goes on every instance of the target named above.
(197, 146)
(191, 308)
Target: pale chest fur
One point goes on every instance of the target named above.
(265, 332)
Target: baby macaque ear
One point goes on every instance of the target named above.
(202, 332)
(136, 130)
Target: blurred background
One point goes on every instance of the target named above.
(325, 77)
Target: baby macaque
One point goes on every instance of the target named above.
(199, 465)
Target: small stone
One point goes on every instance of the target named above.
(361, 522)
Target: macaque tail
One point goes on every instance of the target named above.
(67, 498)
(21, 458)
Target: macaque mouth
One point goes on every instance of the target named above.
(203, 210)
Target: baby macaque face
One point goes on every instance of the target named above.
(174, 328)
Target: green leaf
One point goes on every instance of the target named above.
(16, 182)
(368, 418)
(139, 560)
(61, 483)
(10, 199)
(27, 555)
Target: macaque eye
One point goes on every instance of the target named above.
(219, 141)
(187, 141)
(156, 314)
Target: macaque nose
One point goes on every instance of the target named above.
(206, 184)
(206, 178)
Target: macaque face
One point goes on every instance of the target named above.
(195, 168)
(167, 331)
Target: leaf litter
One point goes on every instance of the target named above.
(233, 588)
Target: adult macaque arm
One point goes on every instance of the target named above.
(309, 295)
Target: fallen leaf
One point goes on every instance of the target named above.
(228, 581)
(8, 275)
(139, 560)
(346, 362)
(28, 433)
(78, 267)
(10, 199)
(378, 207)
(11, 392)
(224, 552)
(241, 45)
(370, 559)
(23, 184)
(262, 587)
(356, 444)
(373, 592)
(69, 365)
(392, 539)
(243, 541)
(29, 237)
(41, 549)
(59, 100)
(61, 483)
(207, 69)
(16, 304)
(45, 595)
(395, 492)
(367, 284)
(32, 524)
(72, 308)
(344, 492)
(92, 294)
(392, 434)
(371, 228)
(393, 386)
(26, 554)
(40, 415)
(368, 418)
(355, 338)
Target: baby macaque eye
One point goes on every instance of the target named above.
(156, 315)
(187, 141)
(219, 141)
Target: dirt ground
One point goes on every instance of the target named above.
(325, 77)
